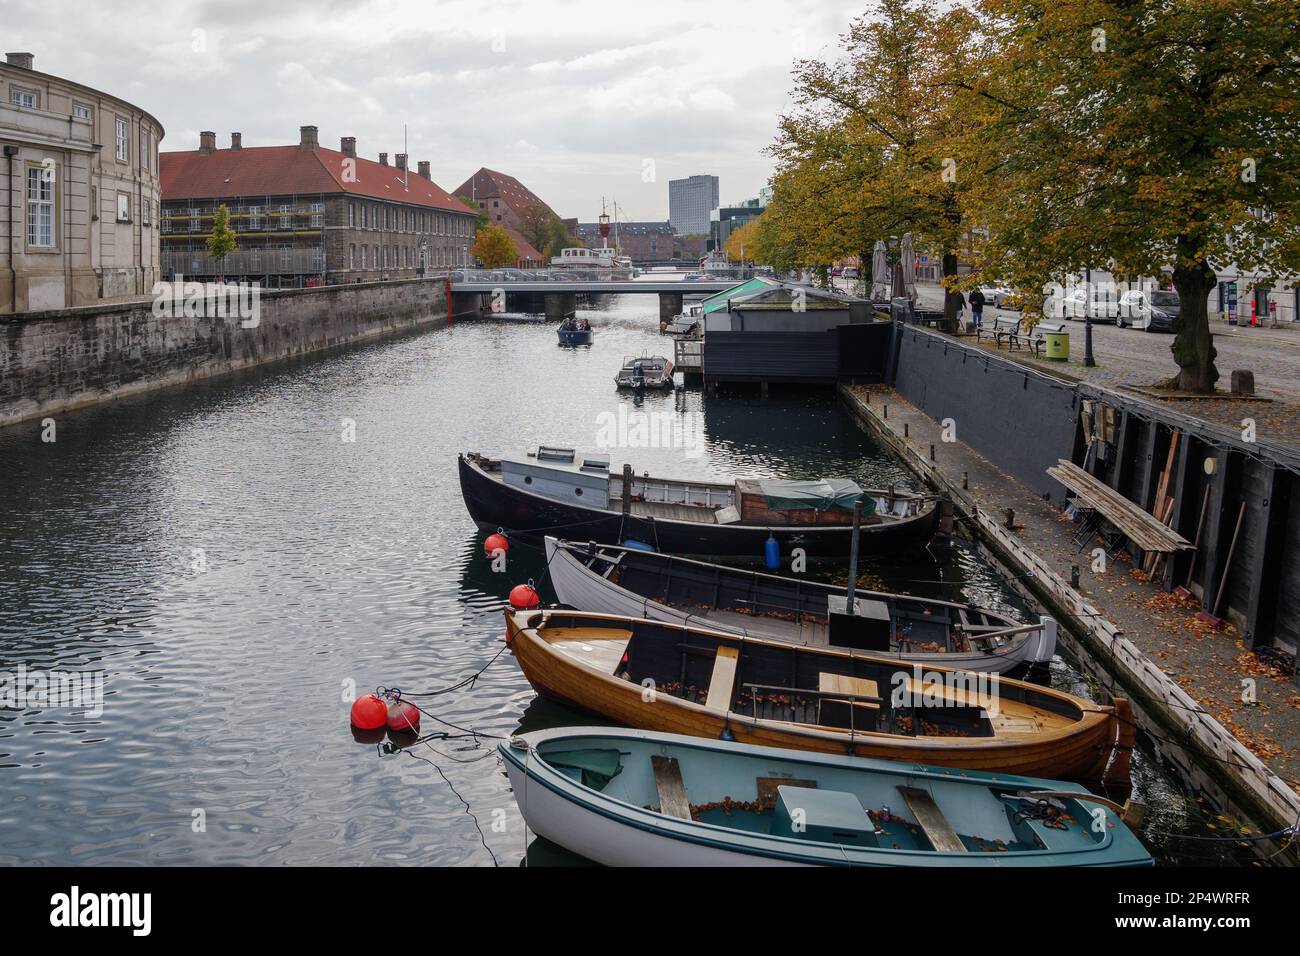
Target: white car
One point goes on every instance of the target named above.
(1100, 305)
(996, 295)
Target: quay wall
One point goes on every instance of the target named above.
(68, 358)
(1024, 420)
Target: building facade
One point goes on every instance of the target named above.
(81, 184)
(641, 241)
(306, 215)
(505, 200)
(690, 201)
(727, 219)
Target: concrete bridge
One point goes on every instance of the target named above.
(559, 288)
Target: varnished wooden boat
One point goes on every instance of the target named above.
(638, 798)
(705, 683)
(560, 490)
(662, 587)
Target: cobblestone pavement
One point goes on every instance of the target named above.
(1130, 357)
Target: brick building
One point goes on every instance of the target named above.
(503, 199)
(306, 215)
(640, 241)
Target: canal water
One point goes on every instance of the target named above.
(238, 557)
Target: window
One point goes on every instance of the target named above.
(123, 148)
(82, 111)
(363, 248)
(194, 219)
(123, 207)
(144, 149)
(19, 97)
(352, 214)
(317, 259)
(254, 260)
(254, 217)
(317, 215)
(363, 223)
(286, 221)
(286, 258)
(40, 207)
(145, 212)
(352, 255)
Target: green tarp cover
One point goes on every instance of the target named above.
(821, 495)
(719, 300)
(598, 767)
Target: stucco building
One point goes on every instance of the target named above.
(79, 179)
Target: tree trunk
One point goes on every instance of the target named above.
(1193, 345)
(950, 320)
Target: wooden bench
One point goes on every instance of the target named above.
(933, 823)
(859, 693)
(722, 684)
(672, 790)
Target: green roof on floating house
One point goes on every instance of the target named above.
(782, 296)
(719, 301)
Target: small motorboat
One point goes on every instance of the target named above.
(553, 488)
(635, 798)
(645, 371)
(575, 331)
(686, 679)
(660, 587)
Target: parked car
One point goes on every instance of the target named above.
(836, 272)
(996, 295)
(1153, 311)
(1100, 305)
(849, 273)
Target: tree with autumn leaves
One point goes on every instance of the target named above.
(1037, 141)
(494, 247)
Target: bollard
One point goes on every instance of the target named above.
(932, 452)
(1011, 519)
(1074, 576)
(886, 414)
(965, 482)
(906, 430)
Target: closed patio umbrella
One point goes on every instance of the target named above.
(879, 273)
(907, 259)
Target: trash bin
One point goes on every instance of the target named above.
(1058, 345)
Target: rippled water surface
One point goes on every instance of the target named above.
(233, 566)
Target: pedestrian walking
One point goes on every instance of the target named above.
(977, 307)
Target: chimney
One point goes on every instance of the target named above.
(207, 142)
(236, 140)
(383, 159)
(348, 146)
(424, 169)
(401, 161)
(21, 60)
(308, 139)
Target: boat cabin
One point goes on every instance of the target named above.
(563, 474)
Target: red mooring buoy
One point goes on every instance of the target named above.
(403, 717)
(524, 597)
(494, 543)
(369, 713)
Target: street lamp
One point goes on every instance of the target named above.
(1088, 360)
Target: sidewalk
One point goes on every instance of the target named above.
(1208, 666)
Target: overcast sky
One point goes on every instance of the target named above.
(577, 99)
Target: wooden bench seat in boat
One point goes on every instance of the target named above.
(672, 790)
(933, 823)
(722, 685)
(850, 687)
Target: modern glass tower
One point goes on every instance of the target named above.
(690, 201)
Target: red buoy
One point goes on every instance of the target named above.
(369, 713)
(524, 597)
(496, 542)
(403, 717)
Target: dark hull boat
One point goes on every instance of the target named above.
(573, 332)
(559, 492)
(660, 587)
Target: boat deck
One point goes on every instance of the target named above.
(666, 509)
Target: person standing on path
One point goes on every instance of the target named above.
(977, 307)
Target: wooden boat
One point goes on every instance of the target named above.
(634, 798)
(574, 332)
(706, 683)
(635, 583)
(574, 493)
(645, 371)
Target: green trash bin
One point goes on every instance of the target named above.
(1058, 345)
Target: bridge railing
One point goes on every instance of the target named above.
(540, 275)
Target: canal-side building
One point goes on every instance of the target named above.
(690, 201)
(502, 197)
(725, 220)
(640, 241)
(80, 178)
(307, 215)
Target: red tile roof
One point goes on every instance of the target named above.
(285, 170)
(489, 184)
(523, 246)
